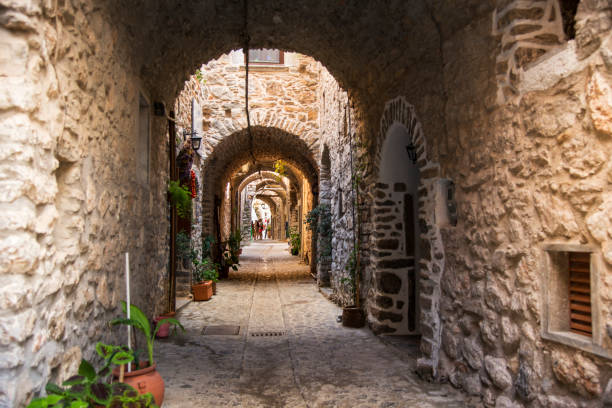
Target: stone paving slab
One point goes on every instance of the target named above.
(316, 363)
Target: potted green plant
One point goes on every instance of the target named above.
(295, 241)
(203, 272)
(92, 388)
(234, 242)
(352, 315)
(145, 378)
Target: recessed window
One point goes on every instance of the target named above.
(571, 309)
(266, 57)
(339, 203)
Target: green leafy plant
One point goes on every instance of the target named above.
(295, 241)
(235, 239)
(91, 387)
(352, 279)
(199, 75)
(279, 169)
(207, 246)
(204, 270)
(181, 197)
(139, 320)
(319, 221)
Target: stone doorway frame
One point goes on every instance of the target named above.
(432, 256)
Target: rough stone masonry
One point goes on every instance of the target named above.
(508, 105)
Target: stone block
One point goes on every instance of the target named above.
(389, 244)
(471, 384)
(577, 372)
(384, 302)
(389, 283)
(472, 353)
(498, 372)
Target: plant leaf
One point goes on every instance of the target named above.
(39, 403)
(122, 357)
(100, 393)
(75, 380)
(52, 388)
(86, 370)
(137, 316)
(79, 404)
(169, 320)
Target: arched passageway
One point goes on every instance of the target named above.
(513, 107)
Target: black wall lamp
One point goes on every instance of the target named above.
(412, 152)
(196, 139)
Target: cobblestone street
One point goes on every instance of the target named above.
(314, 362)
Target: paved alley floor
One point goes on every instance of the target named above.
(289, 351)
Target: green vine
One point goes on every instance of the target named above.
(352, 268)
(320, 222)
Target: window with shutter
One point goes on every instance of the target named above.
(572, 308)
(580, 293)
(266, 56)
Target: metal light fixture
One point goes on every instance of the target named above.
(412, 152)
(196, 139)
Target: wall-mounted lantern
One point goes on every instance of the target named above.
(196, 139)
(412, 152)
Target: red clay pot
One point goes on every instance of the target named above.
(164, 329)
(202, 291)
(144, 380)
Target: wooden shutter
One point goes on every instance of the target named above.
(580, 293)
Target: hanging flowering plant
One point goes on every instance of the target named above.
(194, 190)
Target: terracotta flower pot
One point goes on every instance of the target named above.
(202, 291)
(164, 329)
(146, 379)
(353, 317)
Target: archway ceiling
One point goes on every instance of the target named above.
(241, 179)
(357, 41)
(269, 145)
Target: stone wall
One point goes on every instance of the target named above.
(336, 188)
(79, 188)
(531, 171)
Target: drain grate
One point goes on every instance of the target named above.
(272, 333)
(221, 330)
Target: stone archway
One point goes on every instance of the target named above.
(399, 115)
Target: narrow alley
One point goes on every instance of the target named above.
(438, 172)
(290, 351)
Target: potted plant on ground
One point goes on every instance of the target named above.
(352, 315)
(145, 378)
(204, 273)
(92, 388)
(294, 241)
(234, 241)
